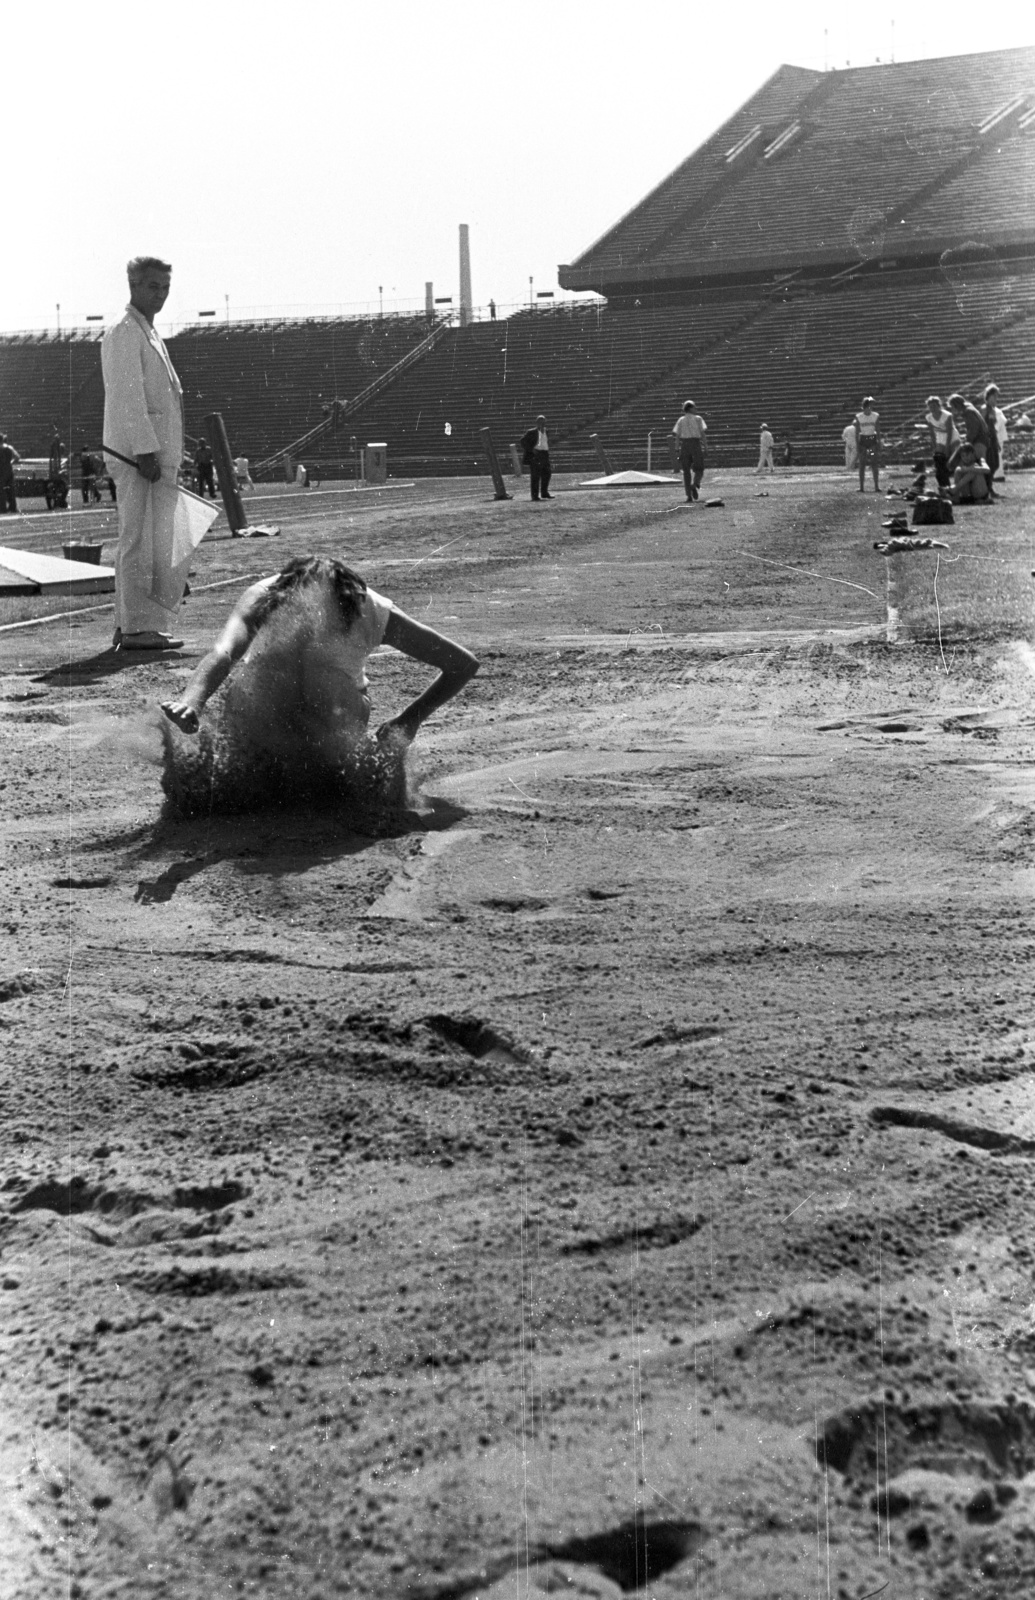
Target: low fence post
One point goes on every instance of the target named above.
(605, 465)
(494, 466)
(232, 502)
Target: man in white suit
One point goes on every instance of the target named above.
(143, 419)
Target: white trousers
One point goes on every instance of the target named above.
(135, 609)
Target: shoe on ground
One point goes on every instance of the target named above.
(546, 497)
(150, 641)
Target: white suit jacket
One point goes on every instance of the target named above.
(143, 398)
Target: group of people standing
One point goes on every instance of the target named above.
(967, 443)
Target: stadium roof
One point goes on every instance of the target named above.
(830, 170)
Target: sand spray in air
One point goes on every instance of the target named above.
(288, 730)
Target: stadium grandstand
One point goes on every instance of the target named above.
(870, 230)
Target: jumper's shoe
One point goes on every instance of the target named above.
(149, 641)
(547, 496)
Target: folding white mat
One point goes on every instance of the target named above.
(30, 573)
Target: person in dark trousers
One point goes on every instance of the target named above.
(535, 454)
(9, 459)
(88, 469)
(204, 466)
(689, 433)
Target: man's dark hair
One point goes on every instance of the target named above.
(304, 571)
(956, 400)
(141, 264)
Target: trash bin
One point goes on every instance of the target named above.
(375, 463)
(83, 552)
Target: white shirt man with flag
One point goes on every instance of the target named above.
(143, 443)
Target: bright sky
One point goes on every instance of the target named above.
(301, 156)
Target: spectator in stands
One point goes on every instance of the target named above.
(9, 459)
(88, 474)
(689, 432)
(943, 434)
(848, 435)
(971, 429)
(535, 455)
(492, 311)
(867, 443)
(143, 421)
(204, 467)
(765, 451)
(244, 477)
(970, 478)
(995, 422)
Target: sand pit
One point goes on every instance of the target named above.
(615, 1177)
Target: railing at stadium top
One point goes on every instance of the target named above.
(259, 317)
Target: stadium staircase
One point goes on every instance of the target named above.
(339, 411)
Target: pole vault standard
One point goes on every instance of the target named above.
(494, 466)
(232, 502)
(605, 465)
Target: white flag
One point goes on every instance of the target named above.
(176, 523)
(192, 519)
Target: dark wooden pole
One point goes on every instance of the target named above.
(225, 472)
(494, 466)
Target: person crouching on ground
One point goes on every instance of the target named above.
(304, 635)
(972, 430)
(970, 479)
(689, 432)
(867, 444)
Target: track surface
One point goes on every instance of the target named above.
(618, 1178)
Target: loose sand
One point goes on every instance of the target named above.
(617, 1175)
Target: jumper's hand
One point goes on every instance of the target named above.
(183, 715)
(149, 466)
(397, 730)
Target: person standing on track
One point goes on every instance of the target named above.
(535, 455)
(939, 421)
(143, 420)
(765, 451)
(689, 431)
(867, 443)
(9, 459)
(204, 468)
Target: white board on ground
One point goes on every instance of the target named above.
(631, 480)
(51, 573)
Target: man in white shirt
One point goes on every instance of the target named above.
(765, 451)
(143, 421)
(690, 430)
(535, 454)
(243, 471)
(867, 443)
